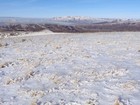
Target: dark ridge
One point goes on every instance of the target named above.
(100, 27)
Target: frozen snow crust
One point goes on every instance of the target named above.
(70, 69)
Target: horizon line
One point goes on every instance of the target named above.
(64, 16)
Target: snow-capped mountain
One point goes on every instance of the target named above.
(81, 19)
(66, 18)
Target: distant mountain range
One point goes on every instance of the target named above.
(69, 24)
(63, 20)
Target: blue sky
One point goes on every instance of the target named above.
(52, 8)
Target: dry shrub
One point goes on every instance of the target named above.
(23, 40)
(117, 102)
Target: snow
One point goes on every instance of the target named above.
(82, 19)
(23, 34)
(71, 69)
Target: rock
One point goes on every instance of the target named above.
(0, 45)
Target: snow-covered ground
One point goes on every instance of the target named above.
(21, 34)
(70, 69)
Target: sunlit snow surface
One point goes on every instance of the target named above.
(70, 69)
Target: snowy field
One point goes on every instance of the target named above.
(70, 69)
